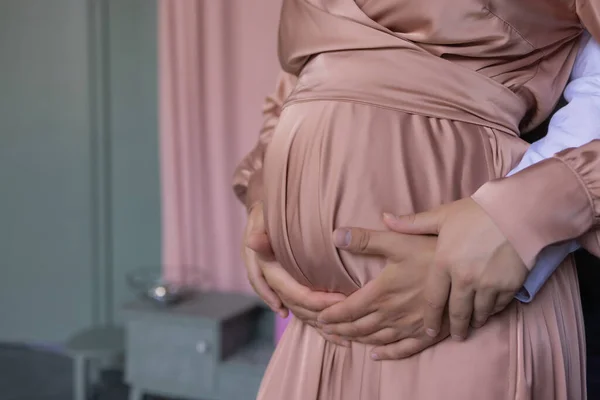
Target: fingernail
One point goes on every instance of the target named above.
(458, 338)
(346, 343)
(389, 216)
(342, 237)
(431, 332)
(374, 356)
(327, 330)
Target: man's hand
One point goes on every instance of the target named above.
(475, 270)
(388, 311)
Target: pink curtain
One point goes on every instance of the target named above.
(217, 63)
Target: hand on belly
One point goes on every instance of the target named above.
(274, 285)
(387, 311)
(468, 245)
(477, 271)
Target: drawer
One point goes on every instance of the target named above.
(171, 358)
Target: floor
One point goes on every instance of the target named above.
(28, 373)
(39, 374)
(42, 374)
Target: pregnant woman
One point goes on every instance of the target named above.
(401, 106)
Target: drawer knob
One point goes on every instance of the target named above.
(202, 347)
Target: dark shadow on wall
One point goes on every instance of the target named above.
(588, 271)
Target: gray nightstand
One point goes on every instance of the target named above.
(213, 347)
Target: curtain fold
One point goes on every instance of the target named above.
(217, 61)
(201, 221)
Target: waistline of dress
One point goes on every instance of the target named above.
(410, 81)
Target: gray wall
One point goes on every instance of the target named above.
(79, 179)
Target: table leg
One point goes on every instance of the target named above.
(80, 378)
(135, 394)
(94, 372)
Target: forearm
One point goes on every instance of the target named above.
(573, 126)
(247, 180)
(551, 202)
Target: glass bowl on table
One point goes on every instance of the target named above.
(151, 284)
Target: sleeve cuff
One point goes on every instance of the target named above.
(548, 260)
(591, 242)
(585, 164)
(542, 205)
(254, 190)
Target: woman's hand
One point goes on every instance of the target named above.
(388, 311)
(475, 270)
(303, 302)
(257, 254)
(274, 285)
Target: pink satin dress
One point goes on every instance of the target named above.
(400, 106)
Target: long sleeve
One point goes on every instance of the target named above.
(555, 200)
(247, 179)
(589, 14)
(574, 125)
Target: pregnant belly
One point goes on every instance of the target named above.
(334, 164)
